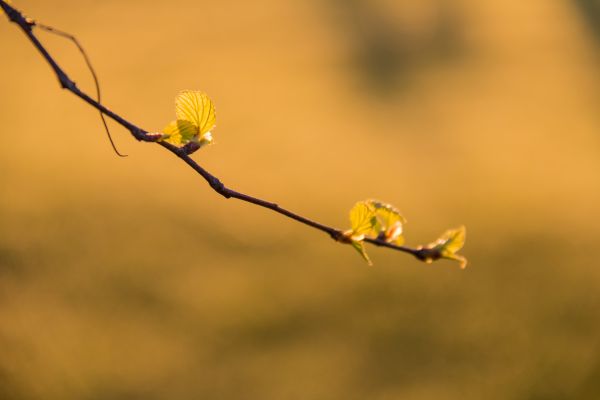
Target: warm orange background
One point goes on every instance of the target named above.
(130, 278)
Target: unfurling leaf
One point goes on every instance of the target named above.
(195, 118)
(197, 108)
(360, 247)
(390, 223)
(362, 221)
(376, 220)
(380, 222)
(180, 132)
(447, 246)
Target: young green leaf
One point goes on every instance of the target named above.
(448, 245)
(180, 132)
(390, 222)
(197, 108)
(360, 247)
(362, 221)
(195, 118)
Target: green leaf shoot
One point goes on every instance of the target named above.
(447, 246)
(196, 118)
(362, 221)
(390, 223)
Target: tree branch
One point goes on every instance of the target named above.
(28, 24)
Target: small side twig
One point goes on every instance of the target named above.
(92, 71)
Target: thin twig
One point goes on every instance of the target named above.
(92, 71)
(27, 25)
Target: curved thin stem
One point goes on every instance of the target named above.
(92, 71)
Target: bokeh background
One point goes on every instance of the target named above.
(131, 279)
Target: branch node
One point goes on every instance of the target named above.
(425, 254)
(336, 235)
(140, 135)
(191, 147)
(219, 187)
(17, 17)
(66, 83)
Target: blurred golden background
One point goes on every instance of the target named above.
(131, 279)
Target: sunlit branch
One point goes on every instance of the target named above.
(28, 25)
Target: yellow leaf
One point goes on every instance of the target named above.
(452, 240)
(449, 244)
(197, 108)
(390, 222)
(180, 132)
(462, 260)
(362, 219)
(360, 247)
